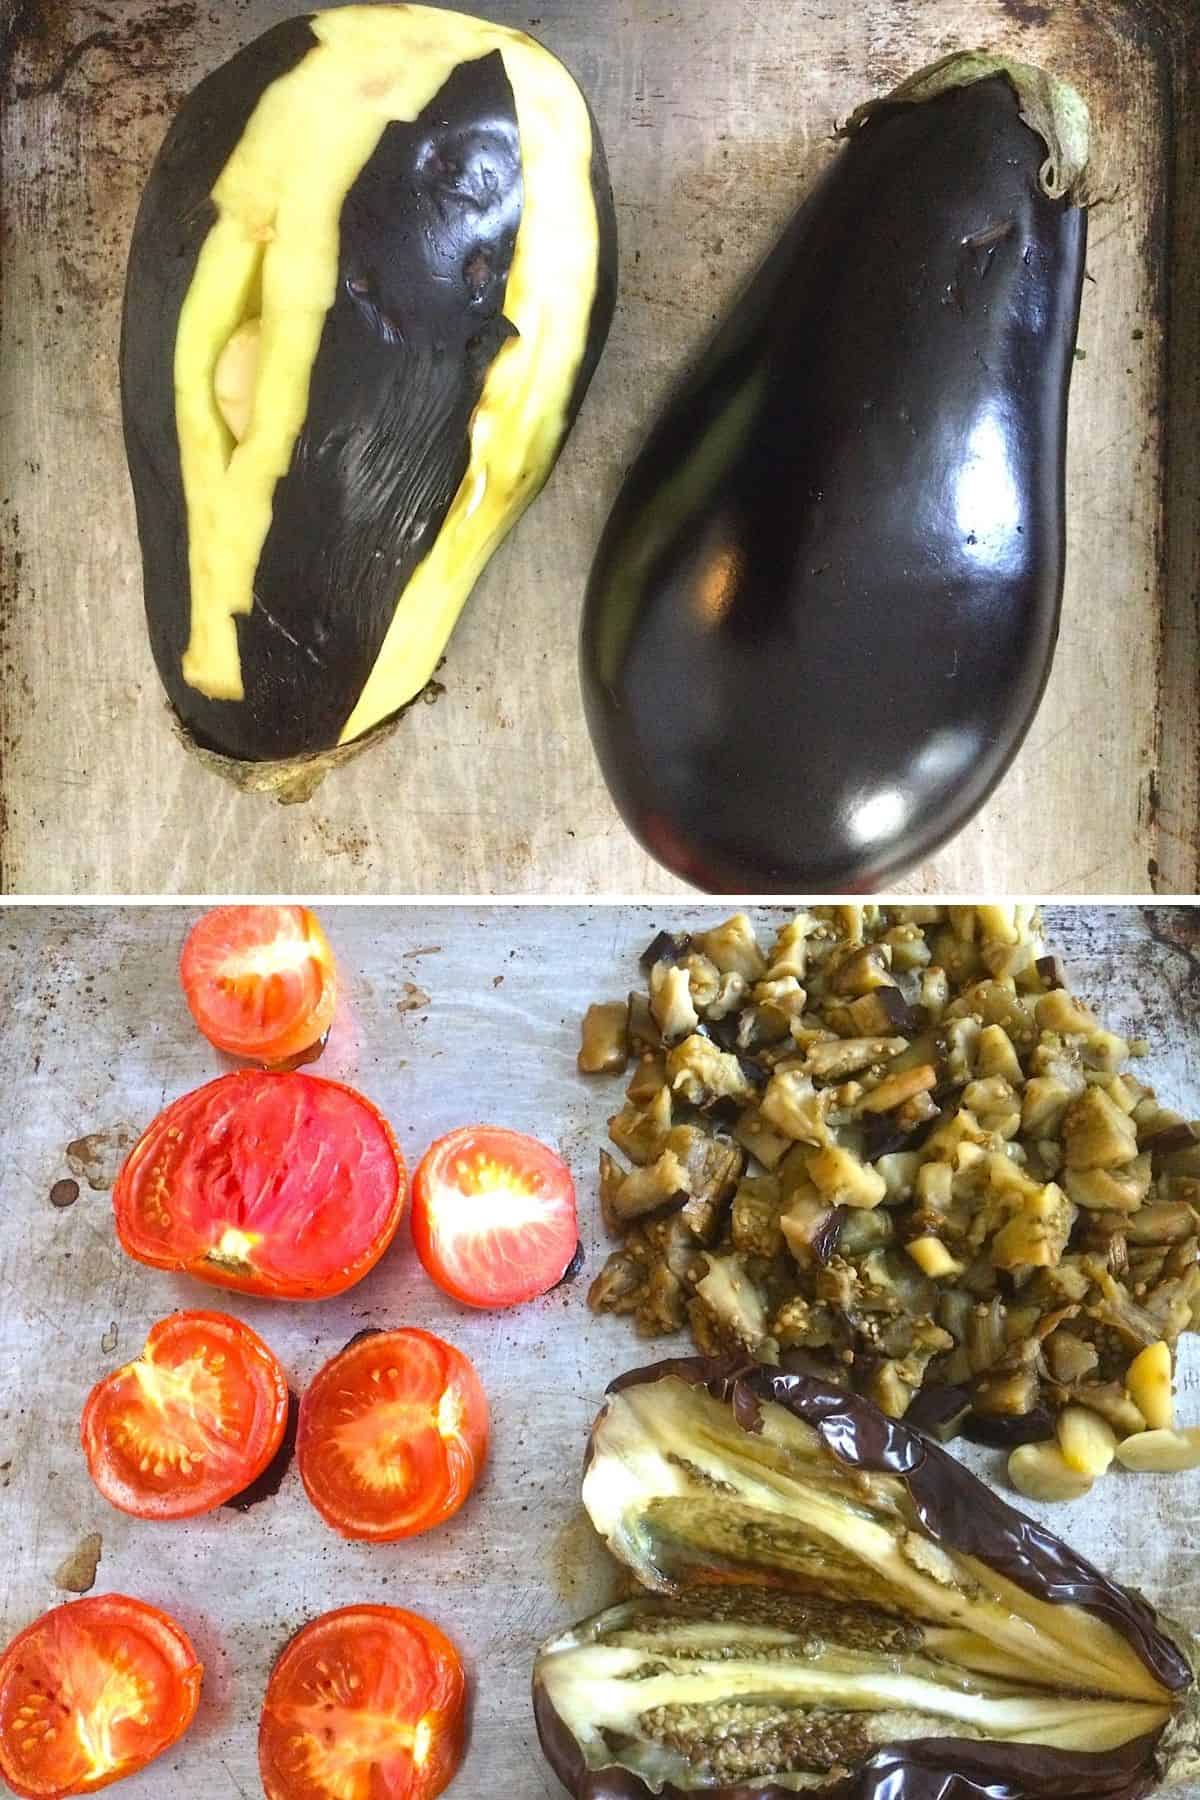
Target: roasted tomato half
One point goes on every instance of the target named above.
(494, 1216)
(286, 1185)
(368, 1703)
(393, 1432)
(191, 1423)
(91, 1692)
(260, 980)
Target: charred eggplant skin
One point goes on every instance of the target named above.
(959, 1511)
(823, 611)
(426, 243)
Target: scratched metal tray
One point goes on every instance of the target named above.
(717, 115)
(450, 1014)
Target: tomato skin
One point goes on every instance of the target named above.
(483, 1245)
(392, 1435)
(410, 1724)
(260, 981)
(227, 1397)
(70, 1650)
(282, 1184)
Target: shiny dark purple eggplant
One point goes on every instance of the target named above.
(823, 610)
(371, 276)
(837, 1607)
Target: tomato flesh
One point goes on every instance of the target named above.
(90, 1692)
(191, 1423)
(494, 1218)
(260, 981)
(279, 1184)
(393, 1432)
(367, 1703)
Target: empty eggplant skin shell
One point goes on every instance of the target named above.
(416, 203)
(823, 610)
(961, 1513)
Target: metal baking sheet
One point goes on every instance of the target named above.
(450, 1015)
(717, 115)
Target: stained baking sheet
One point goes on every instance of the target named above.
(450, 1015)
(717, 115)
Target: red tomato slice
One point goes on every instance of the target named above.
(367, 1703)
(494, 1216)
(191, 1423)
(286, 1185)
(90, 1692)
(260, 980)
(392, 1433)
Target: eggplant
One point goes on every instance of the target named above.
(823, 610)
(837, 1607)
(371, 276)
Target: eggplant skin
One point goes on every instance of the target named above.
(823, 610)
(957, 1514)
(299, 591)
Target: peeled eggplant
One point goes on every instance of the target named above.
(371, 277)
(839, 1608)
(823, 610)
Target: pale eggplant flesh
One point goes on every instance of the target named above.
(823, 610)
(371, 276)
(838, 1608)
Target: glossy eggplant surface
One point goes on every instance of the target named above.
(836, 1607)
(371, 276)
(823, 610)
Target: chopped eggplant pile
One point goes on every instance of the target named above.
(822, 613)
(371, 277)
(840, 1608)
(894, 1148)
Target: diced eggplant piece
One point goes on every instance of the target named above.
(604, 1039)
(714, 1166)
(700, 1073)
(644, 1034)
(665, 947)
(794, 1107)
(754, 1217)
(378, 248)
(1121, 1189)
(756, 1135)
(647, 1079)
(729, 1312)
(1038, 1233)
(671, 1002)
(734, 948)
(628, 1196)
(1098, 1135)
(1051, 972)
(882, 1012)
(1178, 1134)
(896, 1089)
(640, 1132)
(812, 1228)
(1006, 1393)
(843, 1178)
(835, 1058)
(1069, 1357)
(939, 1411)
(1004, 1431)
(845, 1610)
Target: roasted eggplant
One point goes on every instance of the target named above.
(371, 277)
(822, 613)
(843, 1610)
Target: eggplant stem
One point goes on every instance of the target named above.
(1049, 106)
